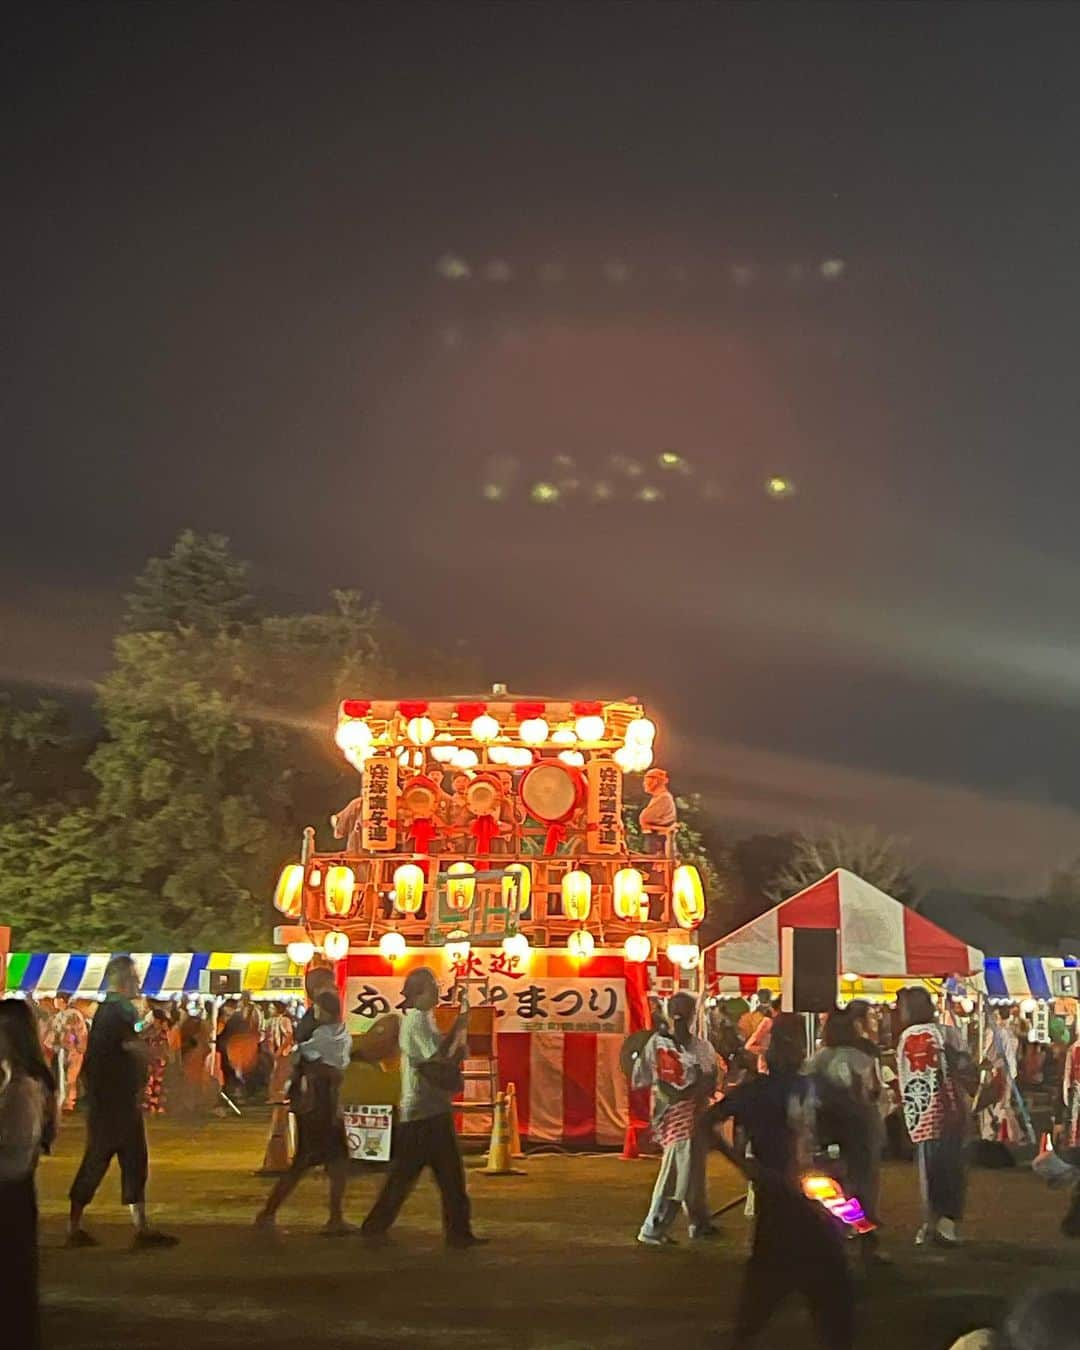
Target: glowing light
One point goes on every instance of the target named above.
(534, 731)
(523, 876)
(1028, 1006)
(500, 754)
(460, 885)
(577, 895)
(682, 950)
(572, 757)
(408, 888)
(670, 460)
(589, 728)
(353, 735)
(641, 732)
(300, 953)
(849, 977)
(336, 946)
(687, 896)
(289, 892)
(452, 268)
(779, 486)
(633, 758)
(464, 759)
(392, 946)
(338, 891)
(493, 492)
(637, 948)
(420, 730)
(564, 736)
(443, 753)
(967, 1006)
(410, 759)
(602, 491)
(484, 728)
(832, 268)
(516, 945)
(458, 947)
(520, 758)
(628, 890)
(544, 494)
(649, 494)
(581, 944)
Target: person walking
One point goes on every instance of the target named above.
(681, 1069)
(848, 1113)
(69, 1034)
(115, 1074)
(279, 1040)
(931, 1062)
(156, 1036)
(425, 1137)
(797, 1246)
(1070, 1091)
(27, 1128)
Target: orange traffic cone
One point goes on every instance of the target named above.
(516, 1151)
(279, 1150)
(498, 1161)
(630, 1148)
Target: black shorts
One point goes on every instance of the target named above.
(320, 1140)
(113, 1133)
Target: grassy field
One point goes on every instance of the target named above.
(562, 1271)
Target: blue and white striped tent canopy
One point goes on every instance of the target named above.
(1012, 977)
(160, 973)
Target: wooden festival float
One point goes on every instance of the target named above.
(487, 842)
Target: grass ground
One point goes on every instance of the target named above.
(562, 1273)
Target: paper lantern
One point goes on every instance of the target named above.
(637, 948)
(520, 758)
(465, 759)
(564, 736)
(500, 754)
(572, 757)
(458, 947)
(410, 760)
(460, 885)
(589, 728)
(300, 953)
(628, 891)
(641, 732)
(533, 731)
(484, 728)
(408, 888)
(687, 896)
(338, 891)
(445, 750)
(516, 945)
(420, 730)
(524, 887)
(392, 945)
(577, 895)
(353, 736)
(289, 891)
(682, 950)
(626, 758)
(581, 944)
(336, 946)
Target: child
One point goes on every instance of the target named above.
(322, 1061)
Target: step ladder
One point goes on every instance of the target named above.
(474, 1111)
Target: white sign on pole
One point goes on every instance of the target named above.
(368, 1130)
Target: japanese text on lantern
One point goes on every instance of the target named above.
(605, 806)
(380, 803)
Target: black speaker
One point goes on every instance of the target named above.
(808, 967)
(220, 983)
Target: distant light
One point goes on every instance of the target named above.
(617, 272)
(602, 491)
(780, 487)
(743, 274)
(673, 463)
(453, 268)
(833, 268)
(544, 493)
(564, 461)
(494, 492)
(649, 494)
(551, 273)
(498, 271)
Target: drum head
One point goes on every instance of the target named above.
(552, 791)
(482, 797)
(420, 796)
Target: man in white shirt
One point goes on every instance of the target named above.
(425, 1137)
(681, 1068)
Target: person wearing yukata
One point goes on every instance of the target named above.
(278, 1039)
(681, 1068)
(1001, 1055)
(1070, 1091)
(930, 1059)
(69, 1033)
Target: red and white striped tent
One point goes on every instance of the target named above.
(879, 938)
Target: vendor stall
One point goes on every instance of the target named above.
(162, 974)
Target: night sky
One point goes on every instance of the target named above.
(328, 278)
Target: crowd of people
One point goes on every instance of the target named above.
(783, 1111)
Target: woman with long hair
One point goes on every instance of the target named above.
(930, 1060)
(27, 1126)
